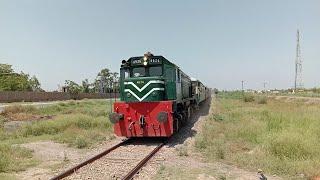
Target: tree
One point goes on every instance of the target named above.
(86, 86)
(115, 81)
(115, 76)
(6, 69)
(35, 84)
(12, 81)
(105, 73)
(73, 87)
(103, 81)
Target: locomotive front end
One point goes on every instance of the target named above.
(143, 119)
(144, 110)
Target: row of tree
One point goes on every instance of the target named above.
(105, 82)
(13, 81)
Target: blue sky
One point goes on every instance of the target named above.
(219, 42)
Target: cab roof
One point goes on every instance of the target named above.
(152, 60)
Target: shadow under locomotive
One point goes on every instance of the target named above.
(187, 130)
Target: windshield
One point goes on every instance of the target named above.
(155, 71)
(139, 72)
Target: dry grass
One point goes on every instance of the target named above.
(18, 109)
(26, 112)
(279, 137)
(18, 113)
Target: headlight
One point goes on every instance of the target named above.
(162, 117)
(128, 95)
(154, 93)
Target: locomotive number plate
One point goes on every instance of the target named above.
(140, 82)
(155, 61)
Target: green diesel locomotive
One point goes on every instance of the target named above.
(156, 97)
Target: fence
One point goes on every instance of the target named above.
(21, 96)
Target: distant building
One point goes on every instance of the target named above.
(275, 91)
(63, 88)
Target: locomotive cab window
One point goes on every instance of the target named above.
(139, 72)
(155, 71)
(124, 73)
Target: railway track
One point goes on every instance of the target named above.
(129, 175)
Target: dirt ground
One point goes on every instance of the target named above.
(54, 157)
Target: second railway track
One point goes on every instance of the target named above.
(122, 161)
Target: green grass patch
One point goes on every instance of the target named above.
(279, 137)
(79, 124)
(93, 108)
(14, 158)
(230, 94)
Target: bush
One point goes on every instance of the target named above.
(248, 98)
(262, 100)
(81, 142)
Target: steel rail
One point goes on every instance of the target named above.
(143, 162)
(98, 156)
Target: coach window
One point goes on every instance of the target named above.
(155, 71)
(139, 72)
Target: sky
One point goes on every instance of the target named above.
(220, 42)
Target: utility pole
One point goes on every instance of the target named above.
(264, 86)
(298, 65)
(242, 86)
